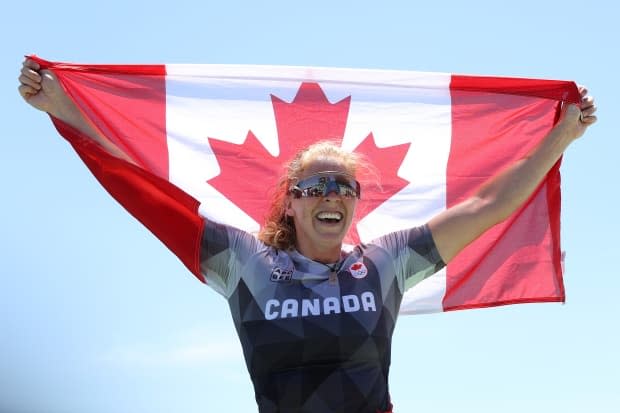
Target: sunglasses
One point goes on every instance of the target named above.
(324, 183)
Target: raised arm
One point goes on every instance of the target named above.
(42, 90)
(501, 195)
(165, 209)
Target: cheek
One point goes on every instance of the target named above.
(300, 208)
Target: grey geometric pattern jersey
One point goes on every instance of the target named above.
(312, 344)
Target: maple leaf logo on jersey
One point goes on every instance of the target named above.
(356, 267)
(358, 270)
(249, 173)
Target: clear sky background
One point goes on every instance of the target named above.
(97, 316)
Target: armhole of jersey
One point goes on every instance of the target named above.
(424, 244)
(414, 254)
(234, 248)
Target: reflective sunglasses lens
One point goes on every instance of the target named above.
(346, 191)
(317, 186)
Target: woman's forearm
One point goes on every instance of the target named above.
(67, 111)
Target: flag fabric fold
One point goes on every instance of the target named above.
(209, 142)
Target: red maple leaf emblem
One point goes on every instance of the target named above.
(249, 173)
(355, 267)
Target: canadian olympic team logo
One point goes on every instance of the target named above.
(358, 270)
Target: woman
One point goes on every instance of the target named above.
(316, 322)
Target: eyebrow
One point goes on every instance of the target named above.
(336, 173)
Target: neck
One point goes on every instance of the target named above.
(322, 255)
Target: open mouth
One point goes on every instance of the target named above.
(329, 217)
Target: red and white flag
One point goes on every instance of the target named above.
(209, 141)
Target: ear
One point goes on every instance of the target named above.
(288, 211)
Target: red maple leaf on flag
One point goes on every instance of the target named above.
(249, 173)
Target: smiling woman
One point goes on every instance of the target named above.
(315, 319)
(279, 229)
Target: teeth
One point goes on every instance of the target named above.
(330, 215)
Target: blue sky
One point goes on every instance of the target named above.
(97, 316)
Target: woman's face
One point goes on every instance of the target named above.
(321, 222)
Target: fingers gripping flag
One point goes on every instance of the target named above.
(209, 142)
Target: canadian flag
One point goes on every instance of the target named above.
(210, 141)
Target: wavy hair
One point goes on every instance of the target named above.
(278, 230)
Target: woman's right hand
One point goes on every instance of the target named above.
(41, 89)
